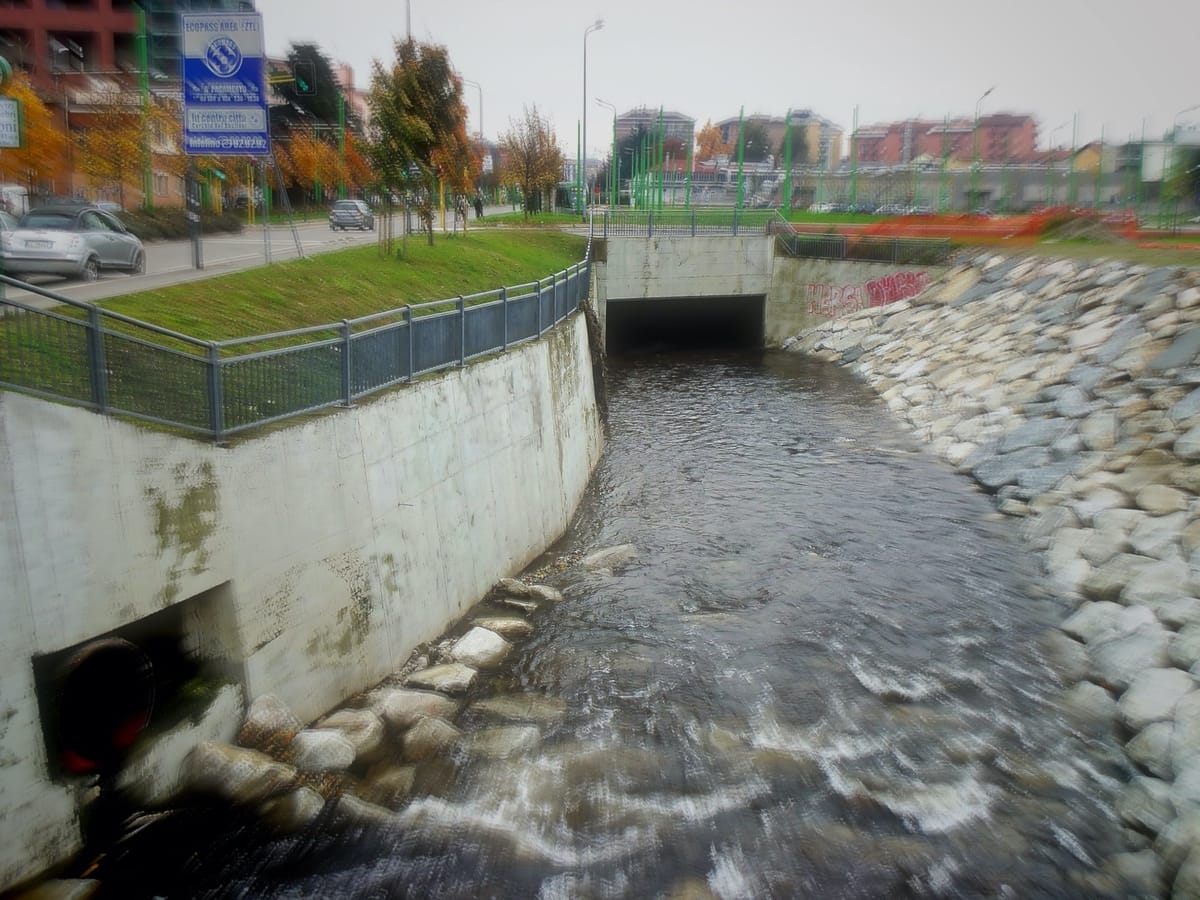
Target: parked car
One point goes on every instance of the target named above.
(351, 214)
(111, 206)
(78, 240)
(8, 222)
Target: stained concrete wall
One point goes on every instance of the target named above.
(800, 292)
(312, 559)
(805, 292)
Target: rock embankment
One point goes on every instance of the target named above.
(1071, 392)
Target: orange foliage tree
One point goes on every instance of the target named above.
(709, 143)
(42, 157)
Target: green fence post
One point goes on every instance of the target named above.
(96, 363)
(462, 331)
(216, 399)
(346, 388)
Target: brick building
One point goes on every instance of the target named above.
(822, 138)
(1001, 137)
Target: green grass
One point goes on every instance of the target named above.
(330, 287)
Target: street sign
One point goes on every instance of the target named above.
(10, 123)
(224, 99)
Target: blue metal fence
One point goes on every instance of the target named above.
(91, 357)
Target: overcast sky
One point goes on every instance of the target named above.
(1113, 63)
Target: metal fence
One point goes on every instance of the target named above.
(82, 354)
(690, 222)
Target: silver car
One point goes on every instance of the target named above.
(72, 241)
(351, 214)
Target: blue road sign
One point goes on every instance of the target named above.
(224, 89)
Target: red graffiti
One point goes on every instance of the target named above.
(837, 299)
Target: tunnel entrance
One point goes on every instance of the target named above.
(684, 323)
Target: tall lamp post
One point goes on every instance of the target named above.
(613, 165)
(1050, 164)
(478, 87)
(975, 165)
(595, 26)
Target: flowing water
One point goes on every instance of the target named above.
(820, 676)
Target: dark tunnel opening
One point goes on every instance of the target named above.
(685, 323)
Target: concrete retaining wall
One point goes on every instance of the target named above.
(311, 561)
(800, 292)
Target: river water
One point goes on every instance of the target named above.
(820, 676)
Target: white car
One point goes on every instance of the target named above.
(74, 241)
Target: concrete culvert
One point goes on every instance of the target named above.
(104, 698)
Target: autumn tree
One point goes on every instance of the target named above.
(532, 157)
(111, 145)
(42, 156)
(709, 143)
(418, 124)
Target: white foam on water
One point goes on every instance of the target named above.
(942, 807)
(893, 683)
(699, 807)
(731, 876)
(938, 878)
(1071, 844)
(818, 742)
(500, 828)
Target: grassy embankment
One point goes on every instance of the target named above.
(330, 287)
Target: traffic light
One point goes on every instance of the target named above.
(304, 73)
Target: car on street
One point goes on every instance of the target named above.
(71, 240)
(351, 214)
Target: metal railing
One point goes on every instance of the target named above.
(690, 222)
(88, 356)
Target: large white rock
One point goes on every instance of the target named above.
(1176, 841)
(1152, 696)
(401, 708)
(1151, 749)
(610, 557)
(546, 593)
(363, 728)
(508, 627)
(320, 750)
(237, 774)
(448, 678)
(512, 587)
(1116, 661)
(428, 738)
(480, 648)
(503, 741)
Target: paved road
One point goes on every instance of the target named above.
(170, 262)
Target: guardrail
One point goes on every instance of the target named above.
(691, 222)
(88, 356)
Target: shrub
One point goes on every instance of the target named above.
(172, 224)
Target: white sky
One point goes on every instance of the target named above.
(1113, 63)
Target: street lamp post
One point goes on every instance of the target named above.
(975, 165)
(612, 164)
(595, 26)
(478, 87)
(1050, 164)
